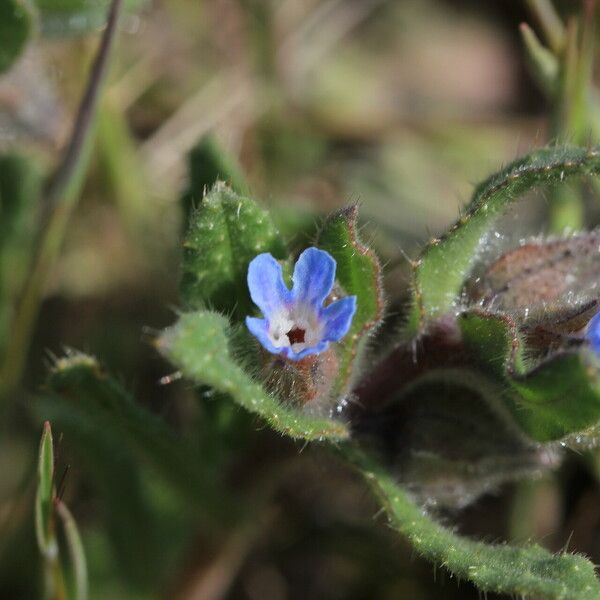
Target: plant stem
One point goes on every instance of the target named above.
(59, 200)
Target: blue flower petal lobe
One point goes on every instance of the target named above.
(265, 282)
(299, 312)
(313, 277)
(259, 328)
(338, 318)
(320, 347)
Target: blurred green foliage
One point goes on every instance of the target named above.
(208, 487)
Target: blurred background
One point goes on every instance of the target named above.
(401, 106)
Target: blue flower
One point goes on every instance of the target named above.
(592, 332)
(296, 324)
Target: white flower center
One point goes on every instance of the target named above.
(297, 328)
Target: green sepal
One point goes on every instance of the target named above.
(527, 570)
(558, 396)
(561, 395)
(15, 28)
(440, 271)
(359, 274)
(226, 232)
(199, 344)
(493, 340)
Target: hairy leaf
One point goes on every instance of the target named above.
(226, 232)
(554, 282)
(523, 571)
(550, 400)
(200, 345)
(359, 274)
(440, 271)
(449, 438)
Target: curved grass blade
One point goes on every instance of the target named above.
(79, 589)
(45, 525)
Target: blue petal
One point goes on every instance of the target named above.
(592, 332)
(320, 347)
(313, 278)
(338, 318)
(259, 329)
(267, 288)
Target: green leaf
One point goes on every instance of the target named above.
(79, 379)
(558, 396)
(561, 395)
(199, 344)
(449, 438)
(523, 571)
(15, 28)
(359, 274)
(440, 272)
(44, 500)
(226, 232)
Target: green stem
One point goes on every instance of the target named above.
(572, 118)
(59, 200)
